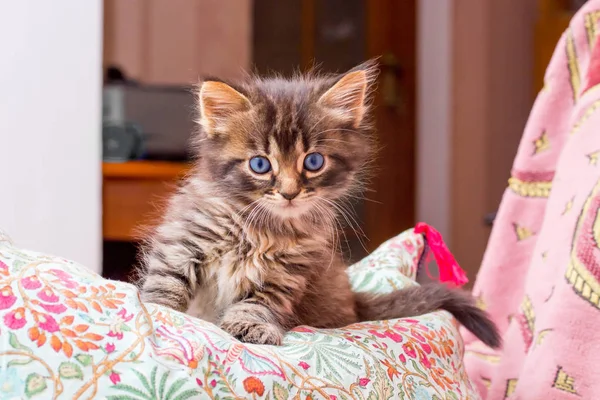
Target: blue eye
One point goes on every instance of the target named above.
(260, 165)
(314, 162)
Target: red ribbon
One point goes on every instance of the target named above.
(449, 269)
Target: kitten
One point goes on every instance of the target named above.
(250, 241)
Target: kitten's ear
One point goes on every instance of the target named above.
(219, 101)
(349, 97)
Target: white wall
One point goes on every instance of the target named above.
(50, 111)
(434, 119)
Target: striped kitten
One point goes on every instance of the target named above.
(250, 241)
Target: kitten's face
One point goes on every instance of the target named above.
(288, 149)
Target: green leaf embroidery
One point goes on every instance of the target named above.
(279, 392)
(163, 386)
(15, 344)
(363, 284)
(84, 359)
(132, 390)
(18, 265)
(178, 384)
(383, 390)
(416, 367)
(188, 394)
(326, 355)
(69, 370)
(153, 380)
(451, 395)
(20, 361)
(86, 318)
(144, 381)
(402, 392)
(34, 384)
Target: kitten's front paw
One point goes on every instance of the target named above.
(253, 332)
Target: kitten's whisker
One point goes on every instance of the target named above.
(334, 233)
(243, 219)
(337, 237)
(250, 216)
(349, 220)
(319, 141)
(258, 218)
(332, 140)
(318, 122)
(329, 148)
(358, 197)
(340, 225)
(257, 221)
(241, 212)
(364, 198)
(352, 214)
(337, 129)
(250, 219)
(265, 217)
(356, 226)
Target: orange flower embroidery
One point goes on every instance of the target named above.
(391, 370)
(254, 385)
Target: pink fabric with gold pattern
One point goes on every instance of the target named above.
(541, 272)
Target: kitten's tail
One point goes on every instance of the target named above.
(417, 300)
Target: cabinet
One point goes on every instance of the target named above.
(134, 194)
(133, 198)
(175, 42)
(553, 19)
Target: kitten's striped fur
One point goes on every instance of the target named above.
(233, 251)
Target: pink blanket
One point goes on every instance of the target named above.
(540, 277)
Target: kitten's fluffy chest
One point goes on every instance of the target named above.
(258, 257)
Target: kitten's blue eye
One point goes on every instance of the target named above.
(260, 165)
(314, 162)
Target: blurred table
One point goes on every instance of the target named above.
(134, 194)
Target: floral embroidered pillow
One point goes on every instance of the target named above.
(67, 333)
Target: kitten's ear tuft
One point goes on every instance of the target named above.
(217, 102)
(348, 98)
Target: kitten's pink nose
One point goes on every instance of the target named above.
(289, 195)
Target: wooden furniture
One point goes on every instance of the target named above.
(553, 19)
(133, 196)
(167, 42)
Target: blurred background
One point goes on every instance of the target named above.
(97, 107)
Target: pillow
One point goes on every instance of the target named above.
(67, 333)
